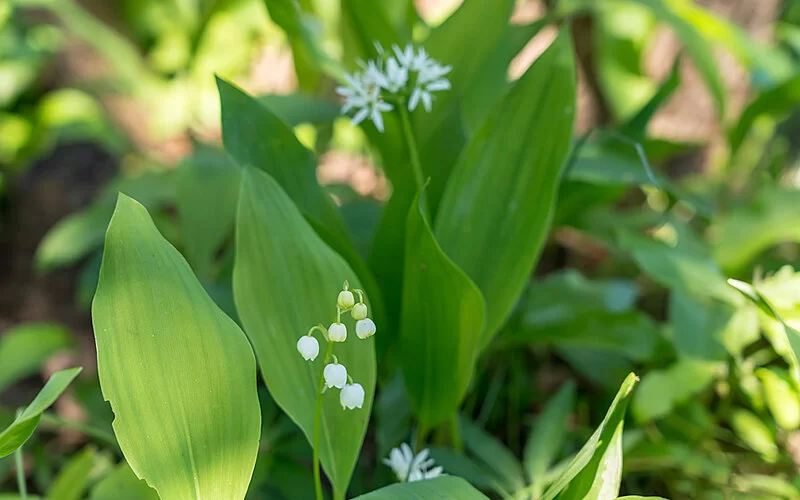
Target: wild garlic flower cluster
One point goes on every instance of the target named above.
(335, 374)
(409, 468)
(405, 75)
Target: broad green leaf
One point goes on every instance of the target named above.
(506, 179)
(547, 436)
(696, 45)
(285, 280)
(23, 426)
(442, 320)
(494, 455)
(255, 136)
(179, 373)
(24, 348)
(440, 488)
(677, 267)
(597, 468)
(740, 235)
(698, 326)
(73, 480)
(365, 23)
(208, 189)
(662, 390)
(122, 484)
(295, 109)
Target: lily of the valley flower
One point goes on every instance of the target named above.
(345, 299)
(408, 467)
(335, 375)
(359, 311)
(352, 396)
(337, 332)
(365, 328)
(308, 347)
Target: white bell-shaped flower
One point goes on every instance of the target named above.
(359, 311)
(335, 375)
(352, 396)
(345, 299)
(337, 332)
(365, 328)
(308, 347)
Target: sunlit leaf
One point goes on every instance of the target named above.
(596, 470)
(662, 390)
(179, 373)
(122, 484)
(443, 317)
(23, 426)
(506, 179)
(24, 348)
(285, 280)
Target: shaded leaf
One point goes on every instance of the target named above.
(443, 312)
(178, 372)
(23, 426)
(662, 390)
(504, 181)
(73, 480)
(547, 436)
(494, 455)
(285, 280)
(122, 484)
(698, 326)
(440, 488)
(25, 347)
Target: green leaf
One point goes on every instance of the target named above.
(179, 373)
(755, 434)
(696, 45)
(295, 109)
(698, 326)
(662, 390)
(637, 497)
(494, 455)
(364, 23)
(208, 189)
(285, 280)
(73, 480)
(23, 426)
(597, 468)
(72, 238)
(744, 232)
(779, 101)
(506, 179)
(122, 484)
(458, 464)
(24, 348)
(439, 343)
(547, 436)
(781, 397)
(440, 488)
(255, 136)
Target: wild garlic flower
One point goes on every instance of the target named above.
(404, 74)
(408, 467)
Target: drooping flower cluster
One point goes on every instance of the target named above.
(404, 74)
(408, 467)
(334, 374)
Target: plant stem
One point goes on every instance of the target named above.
(317, 419)
(413, 154)
(21, 486)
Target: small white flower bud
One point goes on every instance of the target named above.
(335, 375)
(337, 332)
(359, 311)
(365, 328)
(308, 347)
(346, 299)
(352, 396)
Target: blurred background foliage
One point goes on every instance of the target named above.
(685, 173)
